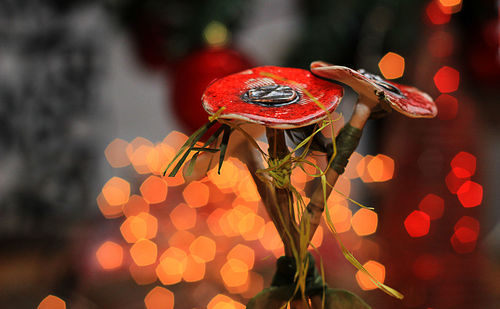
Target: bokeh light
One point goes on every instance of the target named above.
(470, 194)
(159, 298)
(144, 252)
(380, 168)
(154, 189)
(392, 65)
(376, 269)
(195, 269)
(203, 248)
(116, 191)
(242, 253)
(432, 205)
(341, 216)
(364, 222)
(110, 255)
(143, 275)
(107, 210)
(221, 301)
(234, 273)
(196, 194)
(447, 107)
(116, 153)
(172, 265)
(417, 223)
(183, 217)
(453, 182)
(450, 6)
(52, 302)
(181, 239)
(135, 205)
(270, 239)
(447, 79)
(464, 164)
(436, 14)
(427, 267)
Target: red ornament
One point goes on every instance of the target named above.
(273, 96)
(194, 74)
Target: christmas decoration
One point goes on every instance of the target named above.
(193, 74)
(285, 98)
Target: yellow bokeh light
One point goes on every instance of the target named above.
(110, 255)
(271, 239)
(116, 153)
(116, 191)
(244, 254)
(158, 158)
(107, 210)
(170, 270)
(376, 269)
(234, 273)
(183, 217)
(195, 270)
(251, 226)
(52, 302)
(392, 65)
(181, 239)
(133, 229)
(317, 239)
(362, 168)
(196, 194)
(381, 168)
(154, 189)
(139, 159)
(203, 248)
(159, 298)
(144, 252)
(364, 222)
(213, 221)
(340, 215)
(135, 205)
(215, 34)
(221, 301)
(143, 275)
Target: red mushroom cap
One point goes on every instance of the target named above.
(276, 97)
(405, 99)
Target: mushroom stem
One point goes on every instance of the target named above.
(315, 208)
(280, 200)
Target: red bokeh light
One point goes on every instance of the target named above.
(465, 236)
(436, 15)
(447, 107)
(464, 164)
(432, 205)
(468, 222)
(453, 182)
(447, 79)
(417, 223)
(470, 194)
(427, 267)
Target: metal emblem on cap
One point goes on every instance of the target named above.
(271, 95)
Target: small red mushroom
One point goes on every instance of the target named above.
(276, 97)
(405, 99)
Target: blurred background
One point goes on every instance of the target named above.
(95, 97)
